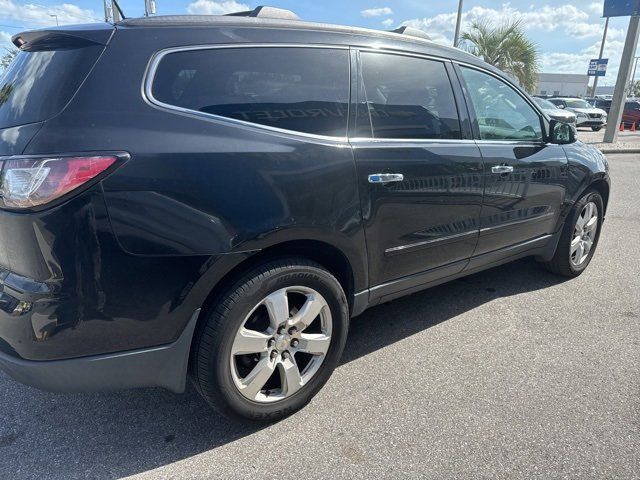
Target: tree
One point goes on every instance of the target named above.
(634, 91)
(507, 48)
(7, 58)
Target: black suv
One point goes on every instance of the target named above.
(214, 197)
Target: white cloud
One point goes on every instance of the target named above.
(210, 7)
(376, 12)
(388, 22)
(36, 14)
(597, 7)
(566, 18)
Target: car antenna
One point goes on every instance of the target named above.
(115, 2)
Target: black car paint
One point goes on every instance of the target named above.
(125, 264)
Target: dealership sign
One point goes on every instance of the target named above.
(621, 8)
(598, 67)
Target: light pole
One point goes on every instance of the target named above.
(53, 15)
(633, 75)
(456, 36)
(604, 39)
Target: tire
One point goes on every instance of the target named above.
(565, 261)
(596, 129)
(246, 310)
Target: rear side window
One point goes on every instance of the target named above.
(300, 89)
(38, 84)
(406, 97)
(501, 112)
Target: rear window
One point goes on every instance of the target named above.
(406, 97)
(38, 84)
(300, 89)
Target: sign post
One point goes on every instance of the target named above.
(622, 84)
(622, 8)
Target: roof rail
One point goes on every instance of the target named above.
(267, 12)
(412, 32)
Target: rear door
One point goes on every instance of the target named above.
(419, 177)
(524, 177)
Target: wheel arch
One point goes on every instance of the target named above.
(603, 188)
(325, 254)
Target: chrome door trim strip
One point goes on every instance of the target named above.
(517, 222)
(411, 246)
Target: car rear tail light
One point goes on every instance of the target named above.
(31, 182)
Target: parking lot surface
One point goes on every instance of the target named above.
(510, 373)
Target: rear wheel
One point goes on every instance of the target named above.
(272, 341)
(579, 237)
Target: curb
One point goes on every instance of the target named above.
(613, 150)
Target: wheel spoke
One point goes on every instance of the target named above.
(249, 341)
(309, 312)
(314, 343)
(591, 224)
(575, 243)
(278, 307)
(579, 252)
(292, 380)
(587, 244)
(253, 383)
(581, 220)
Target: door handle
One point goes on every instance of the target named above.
(502, 169)
(385, 177)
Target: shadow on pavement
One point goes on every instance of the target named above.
(45, 435)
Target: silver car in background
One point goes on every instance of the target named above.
(560, 114)
(586, 114)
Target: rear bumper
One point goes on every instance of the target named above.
(164, 366)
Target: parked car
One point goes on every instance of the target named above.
(215, 197)
(554, 112)
(586, 114)
(630, 114)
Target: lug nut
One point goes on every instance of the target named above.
(281, 330)
(274, 354)
(292, 330)
(294, 342)
(286, 356)
(271, 342)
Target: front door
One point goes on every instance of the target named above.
(524, 177)
(420, 182)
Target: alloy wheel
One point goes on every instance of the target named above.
(281, 344)
(584, 234)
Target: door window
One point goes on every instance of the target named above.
(301, 89)
(406, 97)
(501, 112)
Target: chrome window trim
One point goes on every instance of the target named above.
(393, 141)
(150, 72)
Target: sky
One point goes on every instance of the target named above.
(567, 33)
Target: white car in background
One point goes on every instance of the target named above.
(586, 114)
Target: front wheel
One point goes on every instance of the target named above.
(579, 236)
(596, 129)
(272, 340)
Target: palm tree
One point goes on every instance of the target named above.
(505, 47)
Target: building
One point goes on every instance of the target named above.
(605, 90)
(562, 84)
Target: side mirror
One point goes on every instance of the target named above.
(562, 133)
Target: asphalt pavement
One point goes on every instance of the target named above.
(511, 373)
